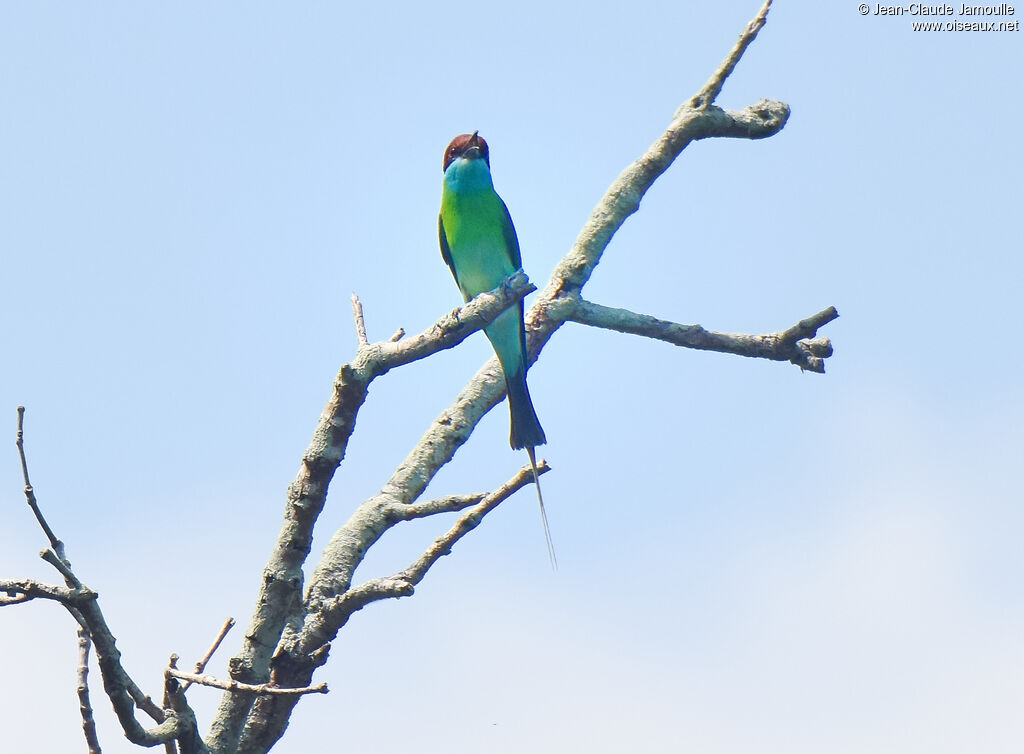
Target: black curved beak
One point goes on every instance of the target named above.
(473, 150)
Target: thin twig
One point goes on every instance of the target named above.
(189, 742)
(84, 705)
(172, 662)
(808, 328)
(62, 566)
(201, 665)
(170, 747)
(709, 93)
(357, 313)
(30, 494)
(265, 688)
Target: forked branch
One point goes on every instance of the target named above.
(302, 644)
(83, 605)
(403, 583)
(291, 629)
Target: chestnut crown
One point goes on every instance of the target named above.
(471, 146)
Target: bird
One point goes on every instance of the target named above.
(480, 246)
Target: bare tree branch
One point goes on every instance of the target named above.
(789, 345)
(290, 633)
(402, 583)
(467, 522)
(333, 613)
(267, 689)
(201, 665)
(56, 557)
(170, 687)
(304, 638)
(15, 600)
(121, 690)
(84, 704)
(82, 603)
(23, 590)
(713, 87)
(62, 567)
(189, 740)
(357, 314)
(30, 494)
(280, 592)
(119, 687)
(447, 504)
(548, 313)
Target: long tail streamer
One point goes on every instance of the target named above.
(543, 513)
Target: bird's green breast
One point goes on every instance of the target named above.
(474, 225)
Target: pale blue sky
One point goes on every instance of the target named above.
(753, 559)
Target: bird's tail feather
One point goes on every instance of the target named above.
(527, 433)
(526, 430)
(543, 513)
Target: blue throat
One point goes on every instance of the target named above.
(464, 176)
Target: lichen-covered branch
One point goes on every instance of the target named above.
(446, 504)
(548, 313)
(291, 630)
(402, 583)
(450, 430)
(301, 653)
(467, 522)
(796, 344)
(305, 640)
(23, 590)
(280, 592)
(709, 93)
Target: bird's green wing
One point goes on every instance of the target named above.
(446, 252)
(511, 241)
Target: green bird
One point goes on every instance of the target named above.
(479, 244)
